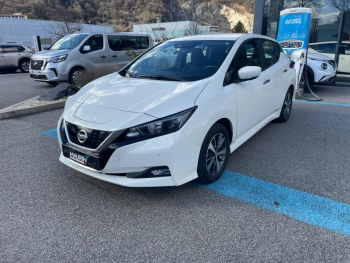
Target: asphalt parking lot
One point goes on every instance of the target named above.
(17, 87)
(284, 198)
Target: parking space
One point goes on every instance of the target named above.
(284, 198)
(17, 87)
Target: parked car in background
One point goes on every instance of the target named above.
(177, 111)
(75, 54)
(328, 49)
(14, 57)
(320, 69)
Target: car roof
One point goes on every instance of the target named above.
(12, 44)
(224, 36)
(328, 42)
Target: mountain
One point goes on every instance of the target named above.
(123, 14)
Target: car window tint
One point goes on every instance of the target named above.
(134, 42)
(248, 54)
(326, 48)
(95, 42)
(115, 43)
(21, 49)
(269, 53)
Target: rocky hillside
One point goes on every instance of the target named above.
(122, 14)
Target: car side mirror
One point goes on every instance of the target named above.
(87, 48)
(249, 72)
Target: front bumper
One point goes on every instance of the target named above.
(50, 72)
(175, 151)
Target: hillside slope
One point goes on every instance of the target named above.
(122, 14)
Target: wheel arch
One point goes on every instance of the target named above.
(228, 125)
(23, 59)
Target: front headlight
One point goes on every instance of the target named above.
(324, 66)
(57, 59)
(159, 127)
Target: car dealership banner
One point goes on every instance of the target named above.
(293, 35)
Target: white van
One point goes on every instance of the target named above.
(77, 53)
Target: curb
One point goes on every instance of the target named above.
(9, 112)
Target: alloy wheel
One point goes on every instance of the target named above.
(75, 76)
(287, 105)
(25, 66)
(216, 154)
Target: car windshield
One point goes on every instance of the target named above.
(188, 60)
(68, 42)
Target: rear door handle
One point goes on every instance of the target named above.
(103, 57)
(115, 56)
(266, 81)
(284, 71)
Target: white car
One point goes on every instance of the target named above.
(320, 68)
(175, 113)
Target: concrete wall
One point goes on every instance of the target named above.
(23, 30)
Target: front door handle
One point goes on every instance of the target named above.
(103, 57)
(284, 71)
(115, 56)
(266, 81)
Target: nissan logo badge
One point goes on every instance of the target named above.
(82, 136)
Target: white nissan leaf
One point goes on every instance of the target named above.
(176, 112)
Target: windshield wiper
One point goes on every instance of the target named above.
(130, 74)
(160, 77)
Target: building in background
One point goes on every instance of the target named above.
(15, 15)
(163, 31)
(330, 27)
(14, 30)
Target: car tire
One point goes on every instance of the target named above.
(214, 154)
(24, 65)
(287, 107)
(74, 75)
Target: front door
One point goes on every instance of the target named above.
(2, 59)
(253, 100)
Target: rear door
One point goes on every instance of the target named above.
(276, 69)
(97, 56)
(12, 55)
(117, 51)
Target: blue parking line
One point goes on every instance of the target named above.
(51, 133)
(324, 103)
(308, 208)
(311, 209)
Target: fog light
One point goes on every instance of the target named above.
(160, 172)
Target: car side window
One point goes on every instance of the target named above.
(248, 54)
(9, 49)
(95, 42)
(115, 43)
(134, 42)
(270, 54)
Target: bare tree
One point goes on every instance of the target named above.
(314, 4)
(61, 29)
(193, 29)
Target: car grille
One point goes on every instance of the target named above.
(43, 77)
(36, 64)
(332, 62)
(94, 137)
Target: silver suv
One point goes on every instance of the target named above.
(14, 56)
(75, 54)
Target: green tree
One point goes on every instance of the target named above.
(239, 28)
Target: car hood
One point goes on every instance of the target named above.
(49, 53)
(313, 54)
(152, 97)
